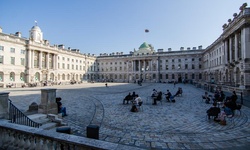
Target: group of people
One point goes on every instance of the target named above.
(135, 100)
(156, 96)
(228, 109)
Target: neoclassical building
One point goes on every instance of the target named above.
(226, 62)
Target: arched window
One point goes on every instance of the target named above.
(22, 76)
(63, 76)
(12, 76)
(37, 76)
(1, 77)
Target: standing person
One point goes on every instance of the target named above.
(234, 97)
(174, 84)
(168, 94)
(106, 84)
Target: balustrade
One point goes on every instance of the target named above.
(13, 136)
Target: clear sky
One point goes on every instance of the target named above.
(106, 26)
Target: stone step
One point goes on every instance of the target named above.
(39, 118)
(49, 125)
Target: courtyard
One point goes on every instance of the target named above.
(179, 125)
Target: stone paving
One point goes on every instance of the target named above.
(180, 125)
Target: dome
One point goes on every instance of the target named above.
(144, 45)
(36, 28)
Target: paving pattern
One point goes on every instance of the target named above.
(180, 125)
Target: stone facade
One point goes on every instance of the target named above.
(225, 62)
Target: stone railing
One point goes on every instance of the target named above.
(13, 136)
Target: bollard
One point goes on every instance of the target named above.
(64, 129)
(93, 131)
(241, 98)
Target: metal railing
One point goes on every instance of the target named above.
(18, 117)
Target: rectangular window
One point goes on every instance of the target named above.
(166, 67)
(173, 67)
(1, 59)
(193, 66)
(63, 66)
(166, 61)
(22, 61)
(12, 59)
(179, 60)
(72, 66)
(1, 48)
(12, 50)
(67, 66)
(22, 51)
(172, 60)
(166, 76)
(186, 66)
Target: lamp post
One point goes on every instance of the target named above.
(142, 69)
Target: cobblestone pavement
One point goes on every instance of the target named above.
(180, 125)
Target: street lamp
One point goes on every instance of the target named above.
(142, 70)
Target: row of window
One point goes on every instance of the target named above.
(173, 60)
(13, 50)
(73, 60)
(154, 68)
(12, 60)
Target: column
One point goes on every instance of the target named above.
(32, 59)
(236, 47)
(225, 52)
(48, 102)
(139, 65)
(230, 49)
(144, 66)
(54, 61)
(40, 60)
(47, 61)
(29, 59)
(4, 99)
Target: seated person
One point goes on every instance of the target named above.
(127, 98)
(221, 97)
(179, 92)
(168, 95)
(133, 95)
(158, 98)
(228, 111)
(216, 96)
(206, 97)
(154, 93)
(138, 100)
(60, 108)
(213, 111)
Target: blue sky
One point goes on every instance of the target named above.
(106, 26)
